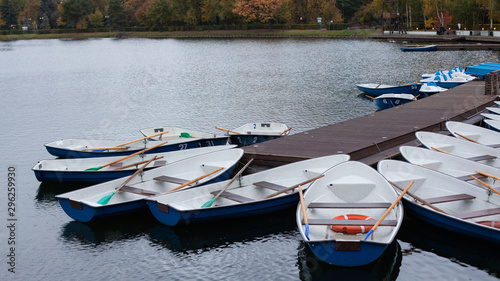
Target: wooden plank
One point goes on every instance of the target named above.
(233, 196)
(139, 191)
(270, 185)
(469, 178)
(348, 205)
(477, 214)
(482, 158)
(350, 222)
(171, 179)
(449, 198)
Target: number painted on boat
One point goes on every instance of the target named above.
(183, 146)
(255, 126)
(209, 143)
(254, 139)
(413, 87)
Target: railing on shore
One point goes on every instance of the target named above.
(492, 85)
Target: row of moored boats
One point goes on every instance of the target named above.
(345, 209)
(387, 96)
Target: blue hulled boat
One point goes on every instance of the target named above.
(419, 48)
(127, 195)
(380, 89)
(386, 101)
(249, 195)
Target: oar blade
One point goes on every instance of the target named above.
(104, 200)
(185, 135)
(306, 232)
(368, 234)
(209, 203)
(94, 169)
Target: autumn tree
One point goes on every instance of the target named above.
(95, 19)
(258, 10)
(48, 14)
(74, 11)
(330, 12)
(9, 13)
(492, 6)
(158, 13)
(28, 15)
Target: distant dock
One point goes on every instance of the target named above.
(376, 136)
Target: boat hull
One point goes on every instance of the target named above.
(244, 140)
(412, 89)
(171, 216)
(429, 48)
(385, 103)
(452, 224)
(85, 177)
(71, 153)
(82, 212)
(327, 252)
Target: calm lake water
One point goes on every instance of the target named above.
(109, 89)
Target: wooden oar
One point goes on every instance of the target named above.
(486, 185)
(284, 132)
(420, 199)
(369, 97)
(303, 207)
(144, 138)
(139, 163)
(469, 139)
(389, 210)
(190, 182)
(103, 148)
(488, 175)
(293, 187)
(104, 200)
(440, 150)
(126, 157)
(222, 129)
(378, 85)
(211, 201)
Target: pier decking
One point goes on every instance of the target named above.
(365, 138)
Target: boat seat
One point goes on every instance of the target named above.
(348, 205)
(115, 166)
(160, 162)
(270, 185)
(171, 179)
(481, 213)
(482, 158)
(350, 222)
(139, 191)
(233, 196)
(449, 198)
(494, 145)
(469, 178)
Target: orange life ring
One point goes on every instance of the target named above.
(495, 224)
(352, 229)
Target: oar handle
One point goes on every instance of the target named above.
(488, 175)
(285, 131)
(134, 154)
(440, 150)
(389, 209)
(486, 185)
(467, 138)
(192, 181)
(144, 138)
(304, 214)
(420, 199)
(293, 187)
(134, 174)
(103, 148)
(139, 163)
(233, 179)
(229, 131)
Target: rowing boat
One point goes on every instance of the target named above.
(460, 147)
(446, 202)
(340, 207)
(253, 133)
(125, 196)
(249, 195)
(206, 139)
(474, 133)
(380, 89)
(96, 169)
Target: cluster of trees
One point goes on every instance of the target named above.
(44, 14)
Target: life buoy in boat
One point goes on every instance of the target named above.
(495, 224)
(352, 229)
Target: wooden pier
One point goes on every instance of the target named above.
(376, 136)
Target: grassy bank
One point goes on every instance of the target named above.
(197, 34)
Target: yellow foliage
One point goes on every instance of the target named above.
(82, 24)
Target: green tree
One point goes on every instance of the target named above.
(48, 14)
(74, 11)
(28, 16)
(96, 18)
(116, 13)
(9, 13)
(158, 14)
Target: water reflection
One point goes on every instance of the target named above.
(47, 191)
(384, 268)
(109, 230)
(455, 247)
(208, 236)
